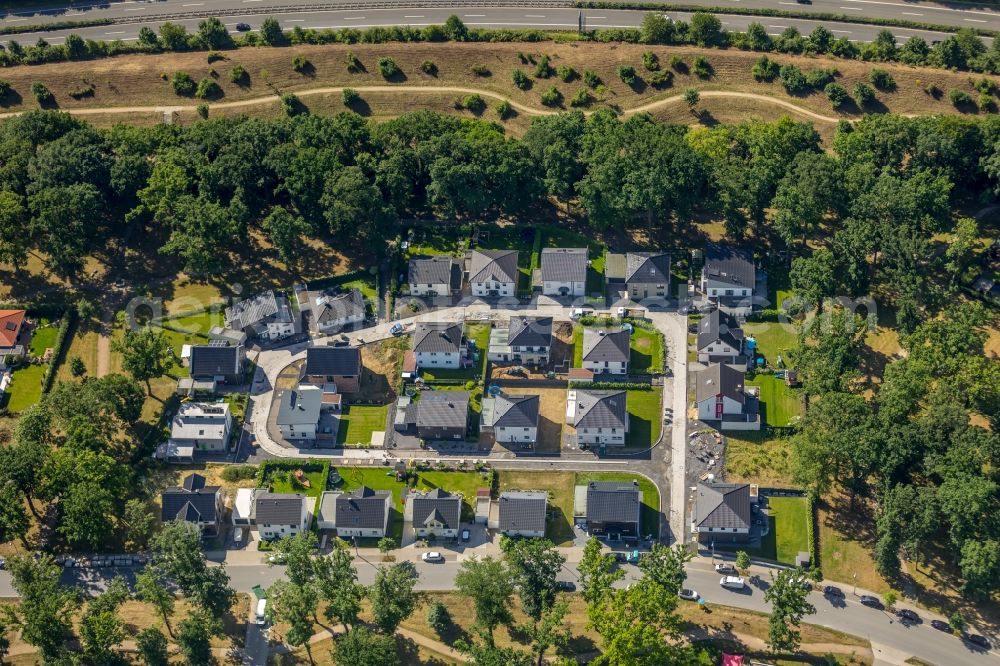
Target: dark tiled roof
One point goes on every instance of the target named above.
(522, 511)
(730, 265)
(300, 406)
(193, 501)
(339, 307)
(442, 409)
(278, 508)
(614, 266)
(600, 345)
(493, 266)
(717, 327)
(333, 361)
(647, 267)
(437, 337)
(431, 270)
(258, 309)
(564, 264)
(530, 332)
(437, 503)
(215, 360)
(719, 378)
(516, 411)
(600, 409)
(723, 505)
(611, 502)
(362, 508)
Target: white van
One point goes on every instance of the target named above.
(732, 582)
(261, 606)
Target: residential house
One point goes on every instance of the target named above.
(231, 337)
(647, 275)
(564, 271)
(299, 412)
(440, 415)
(720, 339)
(218, 362)
(362, 512)
(722, 513)
(267, 316)
(434, 276)
(494, 273)
(521, 513)
(243, 506)
(606, 351)
(608, 508)
(436, 513)
(598, 417)
(15, 336)
(526, 340)
(279, 515)
(201, 426)
(334, 311)
(729, 278)
(195, 503)
(439, 345)
(724, 401)
(339, 366)
(511, 418)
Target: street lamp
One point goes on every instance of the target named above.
(855, 577)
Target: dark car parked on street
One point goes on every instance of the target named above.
(833, 591)
(977, 640)
(941, 625)
(906, 616)
(871, 602)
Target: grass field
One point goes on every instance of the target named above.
(466, 483)
(650, 517)
(644, 418)
(646, 351)
(782, 406)
(788, 535)
(25, 389)
(358, 422)
(381, 478)
(559, 485)
(773, 339)
(43, 338)
(753, 458)
(317, 484)
(201, 322)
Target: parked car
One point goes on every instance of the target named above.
(732, 582)
(941, 625)
(906, 616)
(242, 27)
(261, 608)
(688, 595)
(277, 558)
(725, 568)
(871, 602)
(238, 536)
(397, 329)
(977, 640)
(576, 313)
(565, 586)
(465, 535)
(804, 583)
(432, 556)
(833, 591)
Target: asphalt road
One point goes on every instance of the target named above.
(544, 17)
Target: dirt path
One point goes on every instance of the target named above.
(104, 344)
(650, 106)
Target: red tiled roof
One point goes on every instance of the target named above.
(11, 322)
(409, 361)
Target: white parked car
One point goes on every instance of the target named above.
(432, 556)
(732, 582)
(724, 568)
(688, 595)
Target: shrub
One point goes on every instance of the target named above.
(349, 96)
(480, 70)
(291, 104)
(986, 103)
(207, 89)
(387, 67)
(213, 56)
(474, 103)
(627, 74)
(202, 111)
(233, 473)
(986, 86)
(591, 78)
(182, 83)
(543, 69)
(818, 78)
(521, 79)
(80, 93)
(581, 98)
(765, 69)
(438, 617)
(301, 64)
(836, 93)
(703, 68)
(661, 78)
(677, 63)
(4, 88)
(650, 61)
(864, 94)
(882, 79)
(503, 109)
(523, 58)
(42, 94)
(428, 67)
(352, 63)
(238, 75)
(552, 97)
(933, 90)
(793, 79)
(691, 96)
(565, 73)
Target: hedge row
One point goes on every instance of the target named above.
(68, 319)
(612, 386)
(48, 27)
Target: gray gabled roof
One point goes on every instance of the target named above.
(193, 502)
(600, 409)
(723, 505)
(493, 266)
(361, 508)
(530, 332)
(431, 270)
(720, 379)
(730, 265)
(516, 411)
(212, 360)
(333, 361)
(438, 504)
(339, 307)
(613, 502)
(522, 511)
(647, 267)
(262, 307)
(278, 508)
(442, 409)
(600, 345)
(564, 264)
(435, 337)
(719, 327)
(300, 406)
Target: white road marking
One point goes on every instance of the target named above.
(354, 18)
(595, 17)
(911, 14)
(931, 7)
(788, 3)
(116, 32)
(843, 32)
(193, 4)
(295, 20)
(975, 20)
(853, 9)
(413, 16)
(134, 9)
(534, 16)
(474, 15)
(779, 27)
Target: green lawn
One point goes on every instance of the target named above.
(466, 483)
(646, 351)
(559, 485)
(358, 422)
(578, 346)
(480, 334)
(42, 338)
(781, 405)
(438, 241)
(381, 478)
(562, 237)
(788, 534)
(650, 517)
(773, 339)
(177, 341)
(644, 421)
(367, 287)
(25, 389)
(200, 322)
(317, 483)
